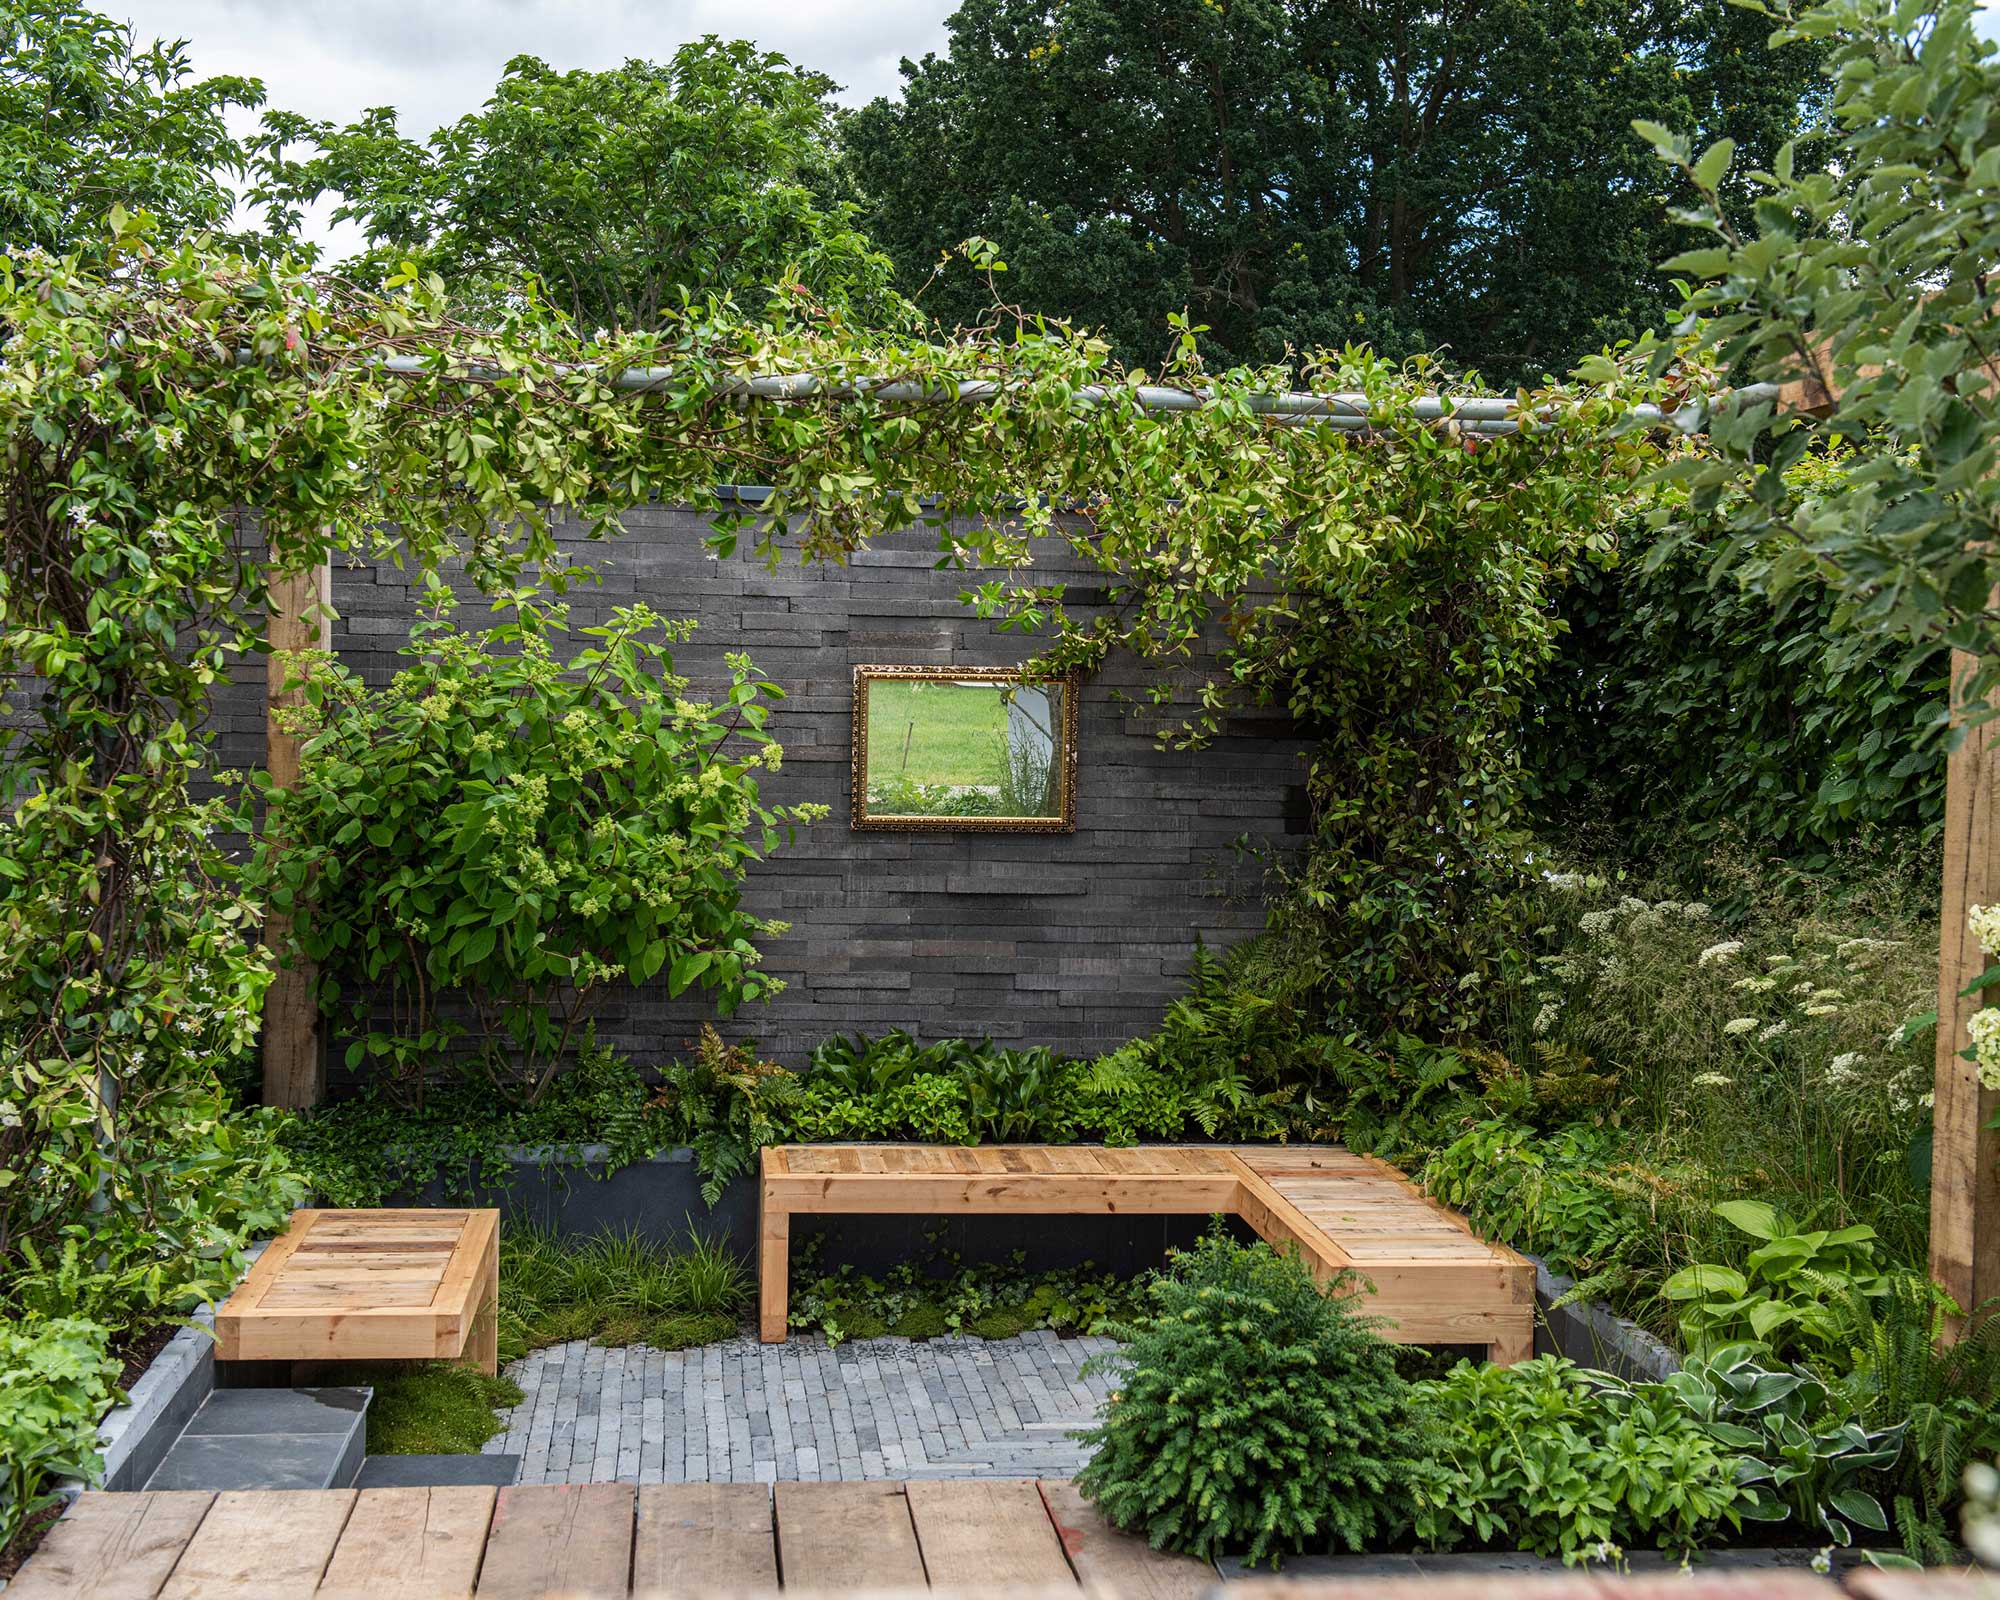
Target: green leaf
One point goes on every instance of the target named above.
(1714, 162)
(1753, 1217)
(1858, 1506)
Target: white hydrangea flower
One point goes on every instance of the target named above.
(1984, 921)
(1984, 1029)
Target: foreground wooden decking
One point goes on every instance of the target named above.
(596, 1540)
(1433, 1279)
(984, 1538)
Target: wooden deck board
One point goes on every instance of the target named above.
(113, 1547)
(559, 1539)
(980, 1532)
(1429, 1277)
(260, 1544)
(1108, 1561)
(699, 1538)
(411, 1544)
(841, 1537)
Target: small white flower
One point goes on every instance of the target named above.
(1774, 1031)
(1545, 1018)
(1822, 1561)
(1737, 1025)
(1719, 952)
(1712, 1080)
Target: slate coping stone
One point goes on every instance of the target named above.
(437, 1471)
(238, 1411)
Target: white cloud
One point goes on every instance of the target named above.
(435, 60)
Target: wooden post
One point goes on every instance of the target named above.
(1965, 1151)
(294, 1052)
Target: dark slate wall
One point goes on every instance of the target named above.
(1073, 940)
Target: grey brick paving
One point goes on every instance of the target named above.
(744, 1412)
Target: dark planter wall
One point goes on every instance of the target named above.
(661, 1199)
(1077, 941)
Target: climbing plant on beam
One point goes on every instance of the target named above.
(169, 413)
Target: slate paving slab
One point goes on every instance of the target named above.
(269, 1439)
(744, 1412)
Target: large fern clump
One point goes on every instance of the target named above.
(1901, 1370)
(1256, 1415)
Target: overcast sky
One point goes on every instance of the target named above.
(435, 60)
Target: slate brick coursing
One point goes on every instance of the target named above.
(1073, 940)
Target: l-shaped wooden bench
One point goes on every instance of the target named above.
(1434, 1280)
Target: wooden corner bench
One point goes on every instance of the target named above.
(415, 1285)
(1434, 1280)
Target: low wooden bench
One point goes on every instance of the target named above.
(414, 1285)
(1433, 1278)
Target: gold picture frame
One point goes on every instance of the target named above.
(1037, 735)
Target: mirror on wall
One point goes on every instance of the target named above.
(964, 747)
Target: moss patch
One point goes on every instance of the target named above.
(432, 1408)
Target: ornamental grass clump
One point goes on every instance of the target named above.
(1257, 1414)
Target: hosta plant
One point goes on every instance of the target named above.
(1808, 1455)
(1786, 1295)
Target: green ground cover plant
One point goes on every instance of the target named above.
(1547, 1457)
(926, 1300)
(55, 1382)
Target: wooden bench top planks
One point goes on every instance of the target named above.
(370, 1286)
(1433, 1279)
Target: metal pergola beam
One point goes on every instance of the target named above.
(1491, 415)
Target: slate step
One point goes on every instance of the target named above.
(269, 1439)
(434, 1472)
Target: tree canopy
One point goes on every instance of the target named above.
(1414, 174)
(619, 192)
(89, 120)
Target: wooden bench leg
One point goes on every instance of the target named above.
(774, 1265)
(1516, 1347)
(482, 1349)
